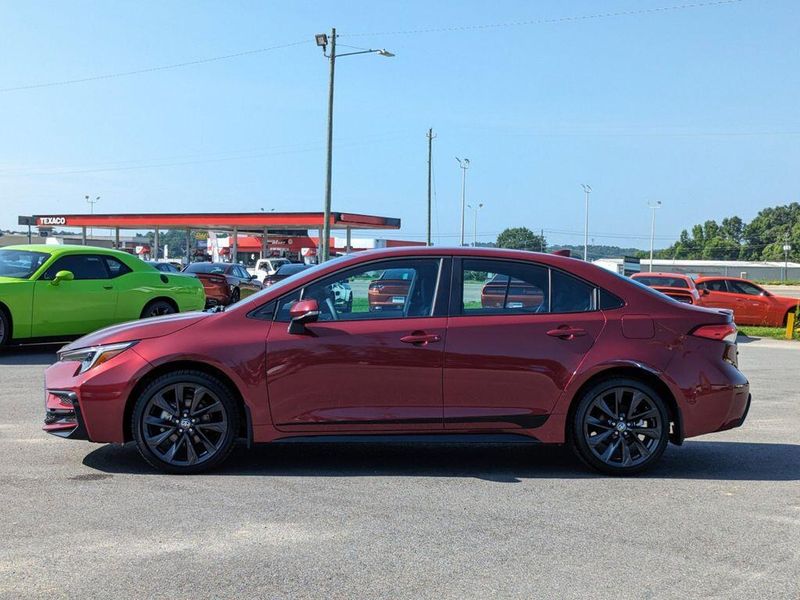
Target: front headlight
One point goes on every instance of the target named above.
(93, 356)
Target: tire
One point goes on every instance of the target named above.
(5, 328)
(185, 439)
(235, 295)
(608, 439)
(157, 308)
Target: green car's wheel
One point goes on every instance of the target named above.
(156, 308)
(5, 328)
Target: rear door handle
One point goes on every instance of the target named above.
(420, 338)
(108, 287)
(567, 332)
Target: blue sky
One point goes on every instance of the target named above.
(696, 107)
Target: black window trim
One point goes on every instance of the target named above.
(441, 289)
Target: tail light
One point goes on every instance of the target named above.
(725, 332)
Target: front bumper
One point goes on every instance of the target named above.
(63, 415)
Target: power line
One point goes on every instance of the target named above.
(190, 63)
(606, 15)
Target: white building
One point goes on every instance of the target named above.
(747, 269)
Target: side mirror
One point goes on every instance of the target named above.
(62, 276)
(305, 311)
(705, 292)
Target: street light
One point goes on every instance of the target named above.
(323, 40)
(464, 164)
(653, 206)
(587, 190)
(786, 248)
(475, 225)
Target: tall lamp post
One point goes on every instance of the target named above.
(476, 208)
(323, 41)
(587, 189)
(464, 164)
(91, 210)
(786, 248)
(653, 206)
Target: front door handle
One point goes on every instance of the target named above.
(567, 333)
(108, 287)
(420, 338)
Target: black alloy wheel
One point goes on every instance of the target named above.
(158, 308)
(185, 422)
(620, 427)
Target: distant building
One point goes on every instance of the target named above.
(747, 269)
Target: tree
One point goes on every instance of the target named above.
(521, 238)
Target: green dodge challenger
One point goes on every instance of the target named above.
(52, 292)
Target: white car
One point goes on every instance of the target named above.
(266, 267)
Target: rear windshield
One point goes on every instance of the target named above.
(291, 268)
(399, 274)
(21, 264)
(660, 280)
(206, 267)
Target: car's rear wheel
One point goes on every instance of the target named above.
(185, 422)
(620, 426)
(157, 308)
(5, 328)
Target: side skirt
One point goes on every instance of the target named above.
(415, 438)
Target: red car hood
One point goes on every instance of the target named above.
(139, 330)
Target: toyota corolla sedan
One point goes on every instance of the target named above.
(607, 366)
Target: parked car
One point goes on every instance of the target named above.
(390, 290)
(57, 292)
(225, 283)
(284, 271)
(751, 304)
(611, 368)
(675, 285)
(267, 266)
(509, 292)
(164, 267)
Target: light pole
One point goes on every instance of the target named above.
(587, 189)
(476, 208)
(323, 40)
(786, 248)
(91, 210)
(464, 164)
(653, 206)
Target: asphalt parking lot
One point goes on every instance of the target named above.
(720, 517)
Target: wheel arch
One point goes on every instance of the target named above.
(167, 299)
(639, 373)
(245, 422)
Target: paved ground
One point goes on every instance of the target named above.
(719, 518)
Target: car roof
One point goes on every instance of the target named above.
(661, 274)
(68, 249)
(707, 277)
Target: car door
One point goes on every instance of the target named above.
(362, 370)
(516, 334)
(718, 294)
(82, 305)
(755, 305)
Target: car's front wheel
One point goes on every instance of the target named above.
(620, 426)
(5, 329)
(185, 422)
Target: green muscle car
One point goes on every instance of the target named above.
(53, 292)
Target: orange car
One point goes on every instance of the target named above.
(675, 285)
(500, 293)
(390, 290)
(751, 304)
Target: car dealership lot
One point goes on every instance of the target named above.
(719, 517)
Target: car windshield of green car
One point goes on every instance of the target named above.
(20, 264)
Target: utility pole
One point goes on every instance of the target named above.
(91, 211)
(653, 206)
(464, 164)
(587, 189)
(786, 248)
(476, 208)
(430, 137)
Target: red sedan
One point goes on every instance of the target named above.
(750, 303)
(675, 285)
(603, 364)
(224, 283)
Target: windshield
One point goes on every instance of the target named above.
(280, 286)
(20, 264)
(291, 269)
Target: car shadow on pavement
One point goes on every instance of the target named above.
(35, 354)
(508, 463)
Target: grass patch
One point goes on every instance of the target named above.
(776, 333)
